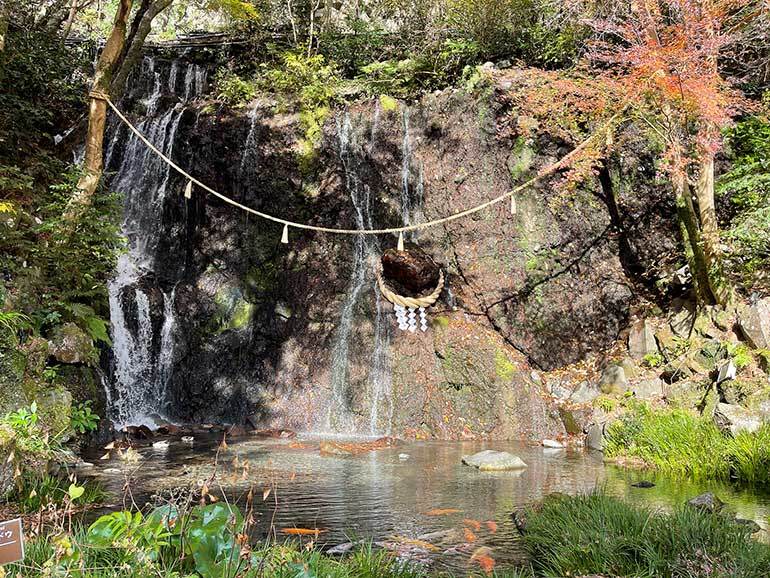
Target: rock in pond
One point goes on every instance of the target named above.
(645, 484)
(707, 502)
(553, 444)
(494, 461)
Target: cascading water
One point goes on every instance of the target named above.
(143, 362)
(366, 253)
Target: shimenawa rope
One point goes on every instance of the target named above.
(411, 302)
(550, 169)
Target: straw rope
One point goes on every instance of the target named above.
(550, 169)
(411, 302)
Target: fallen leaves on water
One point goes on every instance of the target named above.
(473, 524)
(415, 542)
(482, 556)
(442, 511)
(302, 531)
(299, 446)
(491, 525)
(266, 493)
(342, 448)
(469, 535)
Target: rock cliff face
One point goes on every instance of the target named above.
(214, 319)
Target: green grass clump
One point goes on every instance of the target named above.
(598, 534)
(33, 493)
(680, 443)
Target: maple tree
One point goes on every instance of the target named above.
(665, 55)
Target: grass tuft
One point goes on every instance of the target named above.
(599, 534)
(679, 443)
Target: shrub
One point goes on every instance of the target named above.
(232, 89)
(83, 419)
(747, 187)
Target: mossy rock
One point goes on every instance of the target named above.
(12, 394)
(7, 446)
(737, 391)
(70, 344)
(234, 312)
(55, 409)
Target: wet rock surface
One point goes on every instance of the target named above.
(255, 326)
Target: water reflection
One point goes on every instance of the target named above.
(379, 495)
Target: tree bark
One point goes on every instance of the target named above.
(691, 237)
(134, 49)
(704, 192)
(5, 16)
(97, 112)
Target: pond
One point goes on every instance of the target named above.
(416, 498)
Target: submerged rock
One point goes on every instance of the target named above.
(412, 269)
(595, 437)
(645, 484)
(494, 461)
(707, 502)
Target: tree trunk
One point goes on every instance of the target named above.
(5, 16)
(97, 113)
(691, 238)
(704, 192)
(134, 52)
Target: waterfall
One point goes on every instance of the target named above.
(339, 416)
(366, 253)
(411, 201)
(143, 361)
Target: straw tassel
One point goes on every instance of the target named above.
(401, 241)
(513, 204)
(285, 235)
(188, 190)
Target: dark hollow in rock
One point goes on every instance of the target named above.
(412, 270)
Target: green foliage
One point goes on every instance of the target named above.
(747, 186)
(232, 89)
(606, 403)
(31, 440)
(34, 492)
(313, 83)
(207, 541)
(444, 64)
(599, 535)
(83, 419)
(11, 322)
(654, 359)
(740, 353)
(679, 443)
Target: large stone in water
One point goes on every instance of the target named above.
(494, 461)
(413, 270)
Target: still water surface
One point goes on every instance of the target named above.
(383, 496)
